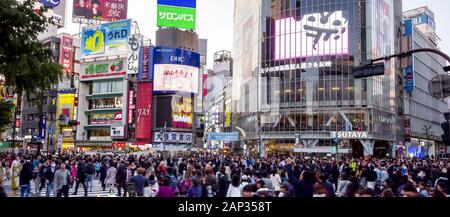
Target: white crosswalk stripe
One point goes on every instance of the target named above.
(97, 191)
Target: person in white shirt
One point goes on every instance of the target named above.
(235, 188)
(276, 180)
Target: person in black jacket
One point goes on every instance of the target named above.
(48, 175)
(305, 186)
(224, 182)
(103, 170)
(81, 178)
(26, 175)
(121, 179)
(90, 170)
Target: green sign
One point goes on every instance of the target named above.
(4, 145)
(177, 17)
(103, 68)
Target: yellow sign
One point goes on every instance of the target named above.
(66, 106)
(95, 43)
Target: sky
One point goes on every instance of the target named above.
(215, 21)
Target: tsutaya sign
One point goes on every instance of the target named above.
(350, 135)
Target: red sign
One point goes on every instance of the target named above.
(119, 144)
(205, 84)
(145, 63)
(144, 111)
(66, 56)
(118, 116)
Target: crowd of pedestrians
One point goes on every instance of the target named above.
(212, 175)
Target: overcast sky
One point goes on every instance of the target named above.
(215, 21)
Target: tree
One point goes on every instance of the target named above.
(5, 114)
(428, 133)
(26, 64)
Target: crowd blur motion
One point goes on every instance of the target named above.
(216, 175)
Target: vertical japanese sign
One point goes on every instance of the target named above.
(134, 45)
(43, 126)
(131, 106)
(409, 79)
(67, 54)
(145, 65)
(144, 111)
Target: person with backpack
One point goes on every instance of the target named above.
(224, 182)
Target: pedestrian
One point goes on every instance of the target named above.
(121, 179)
(153, 187)
(61, 181)
(111, 177)
(304, 187)
(15, 169)
(276, 180)
(2, 173)
(81, 178)
(49, 174)
(224, 182)
(26, 175)
(195, 190)
(235, 188)
(90, 170)
(140, 181)
(103, 170)
(165, 190)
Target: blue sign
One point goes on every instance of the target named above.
(408, 27)
(168, 55)
(227, 137)
(117, 33)
(43, 126)
(409, 79)
(51, 3)
(179, 3)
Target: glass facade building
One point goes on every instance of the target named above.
(293, 87)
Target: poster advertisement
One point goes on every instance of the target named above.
(176, 17)
(102, 10)
(182, 112)
(66, 106)
(67, 54)
(111, 38)
(144, 111)
(145, 73)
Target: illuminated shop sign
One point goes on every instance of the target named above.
(310, 65)
(349, 135)
(102, 69)
(316, 34)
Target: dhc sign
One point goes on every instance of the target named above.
(349, 135)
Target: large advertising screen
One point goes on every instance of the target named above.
(317, 34)
(176, 70)
(179, 3)
(103, 10)
(144, 111)
(176, 17)
(182, 112)
(66, 106)
(109, 38)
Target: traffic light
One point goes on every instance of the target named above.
(366, 71)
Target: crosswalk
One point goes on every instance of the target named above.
(97, 191)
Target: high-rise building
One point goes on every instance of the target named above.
(293, 87)
(423, 112)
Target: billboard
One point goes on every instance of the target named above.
(145, 64)
(144, 111)
(176, 17)
(103, 69)
(103, 10)
(134, 47)
(175, 70)
(109, 38)
(174, 137)
(227, 137)
(179, 3)
(182, 112)
(56, 10)
(66, 106)
(317, 34)
(67, 54)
